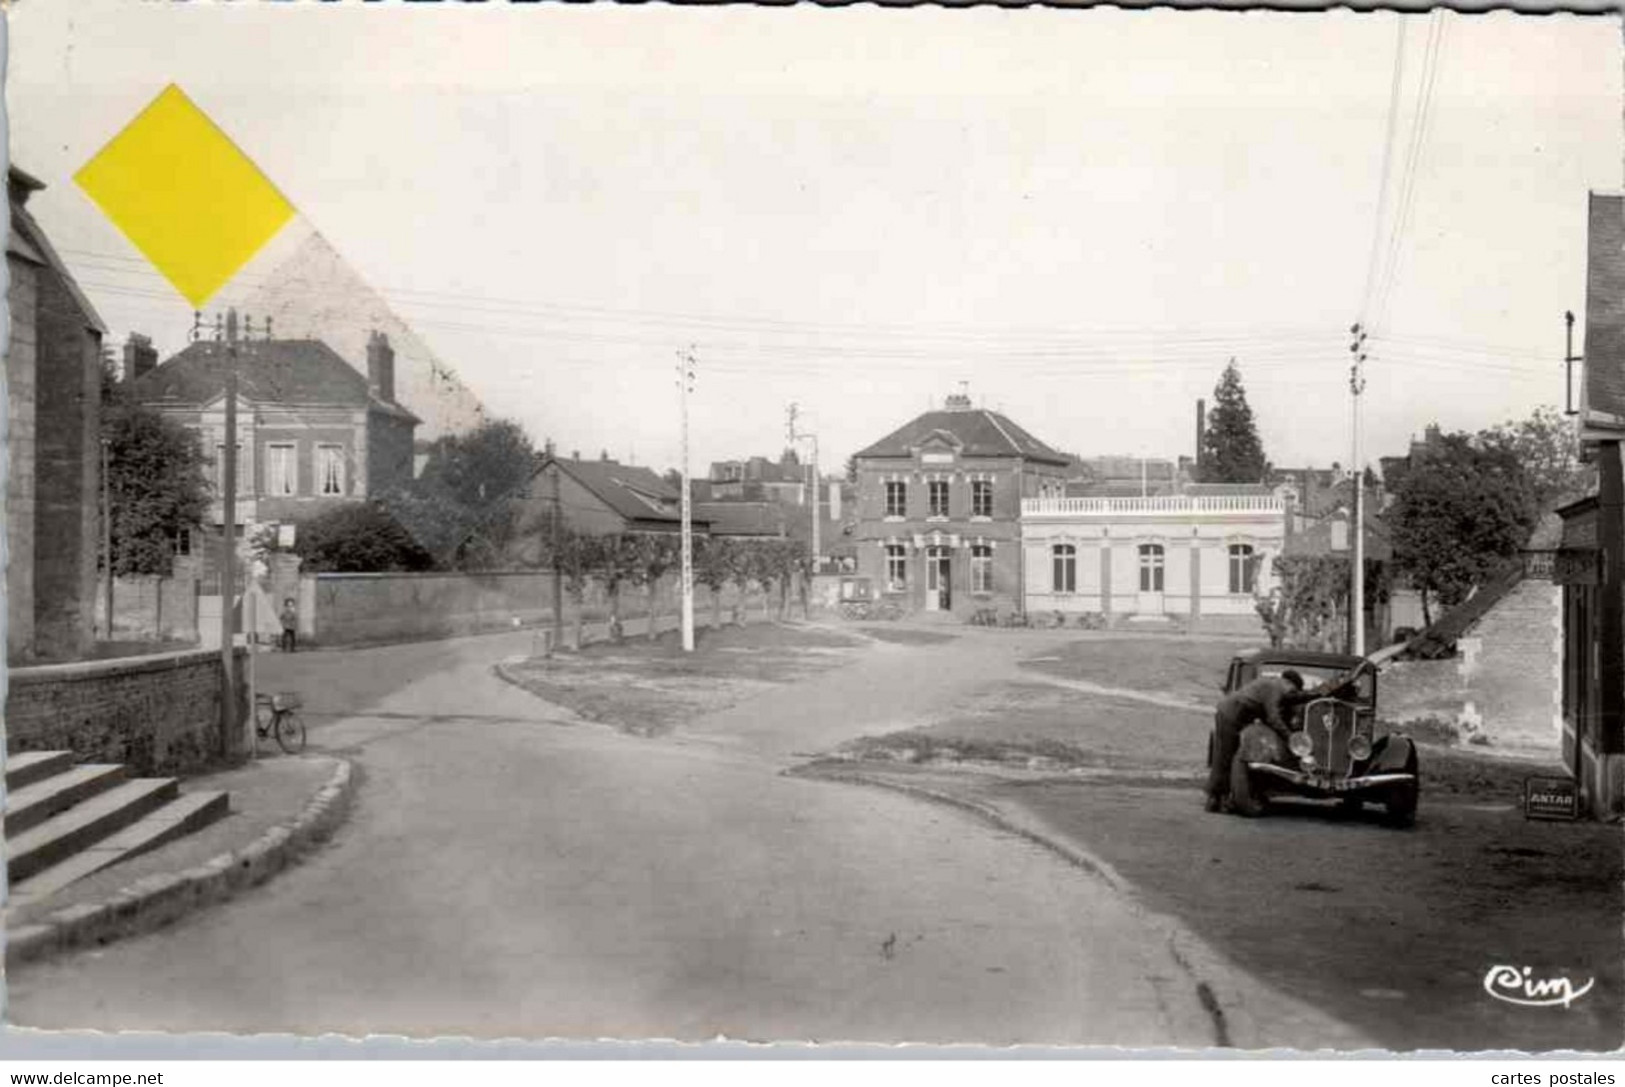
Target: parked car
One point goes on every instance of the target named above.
(1333, 752)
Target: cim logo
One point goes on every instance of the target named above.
(1515, 986)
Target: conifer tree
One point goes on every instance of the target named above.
(1231, 451)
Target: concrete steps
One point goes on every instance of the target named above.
(64, 821)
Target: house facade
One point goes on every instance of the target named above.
(313, 433)
(53, 469)
(1189, 555)
(938, 508)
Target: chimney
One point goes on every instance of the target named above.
(1201, 429)
(381, 366)
(140, 357)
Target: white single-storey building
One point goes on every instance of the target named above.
(1186, 554)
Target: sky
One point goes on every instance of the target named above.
(1081, 214)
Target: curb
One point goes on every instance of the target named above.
(157, 900)
(1236, 1025)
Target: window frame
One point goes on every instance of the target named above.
(935, 489)
(332, 454)
(896, 566)
(981, 498)
(1063, 568)
(272, 449)
(1243, 569)
(981, 568)
(896, 498)
(1153, 562)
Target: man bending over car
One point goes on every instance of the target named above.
(1267, 699)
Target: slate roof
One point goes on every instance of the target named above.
(1604, 350)
(1225, 490)
(635, 493)
(1119, 488)
(981, 433)
(303, 372)
(742, 518)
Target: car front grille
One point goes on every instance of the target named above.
(1329, 724)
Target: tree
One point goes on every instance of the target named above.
(852, 468)
(362, 538)
(1231, 450)
(462, 508)
(713, 566)
(1548, 448)
(157, 482)
(1459, 515)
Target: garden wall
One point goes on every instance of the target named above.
(151, 609)
(159, 714)
(371, 609)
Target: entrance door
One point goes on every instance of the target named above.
(1151, 580)
(938, 578)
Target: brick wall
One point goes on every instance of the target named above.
(20, 363)
(158, 714)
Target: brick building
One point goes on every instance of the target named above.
(53, 406)
(313, 433)
(938, 517)
(599, 498)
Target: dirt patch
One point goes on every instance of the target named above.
(905, 636)
(1187, 668)
(648, 688)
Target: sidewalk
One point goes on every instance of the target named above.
(269, 792)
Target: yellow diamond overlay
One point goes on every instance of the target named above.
(182, 192)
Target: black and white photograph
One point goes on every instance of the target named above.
(1041, 527)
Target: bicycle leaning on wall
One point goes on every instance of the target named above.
(277, 715)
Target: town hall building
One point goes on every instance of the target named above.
(938, 519)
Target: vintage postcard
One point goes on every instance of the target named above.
(996, 527)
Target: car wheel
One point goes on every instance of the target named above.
(1401, 800)
(1245, 797)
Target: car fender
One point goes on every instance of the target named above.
(1393, 755)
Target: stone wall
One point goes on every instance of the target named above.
(158, 714)
(1503, 684)
(151, 609)
(369, 609)
(20, 362)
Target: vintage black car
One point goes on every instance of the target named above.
(1333, 752)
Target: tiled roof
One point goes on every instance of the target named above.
(979, 432)
(1604, 349)
(1218, 490)
(1118, 488)
(302, 372)
(742, 518)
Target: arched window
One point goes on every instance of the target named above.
(1243, 568)
(1065, 557)
(1151, 568)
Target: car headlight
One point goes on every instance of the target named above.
(1360, 748)
(1300, 743)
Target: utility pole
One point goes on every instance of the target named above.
(228, 545)
(796, 436)
(107, 540)
(1356, 387)
(558, 536)
(685, 385)
(1569, 359)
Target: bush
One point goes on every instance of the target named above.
(360, 539)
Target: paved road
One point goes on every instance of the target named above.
(509, 873)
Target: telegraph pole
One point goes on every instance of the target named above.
(685, 385)
(107, 540)
(558, 565)
(228, 544)
(1356, 387)
(796, 436)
